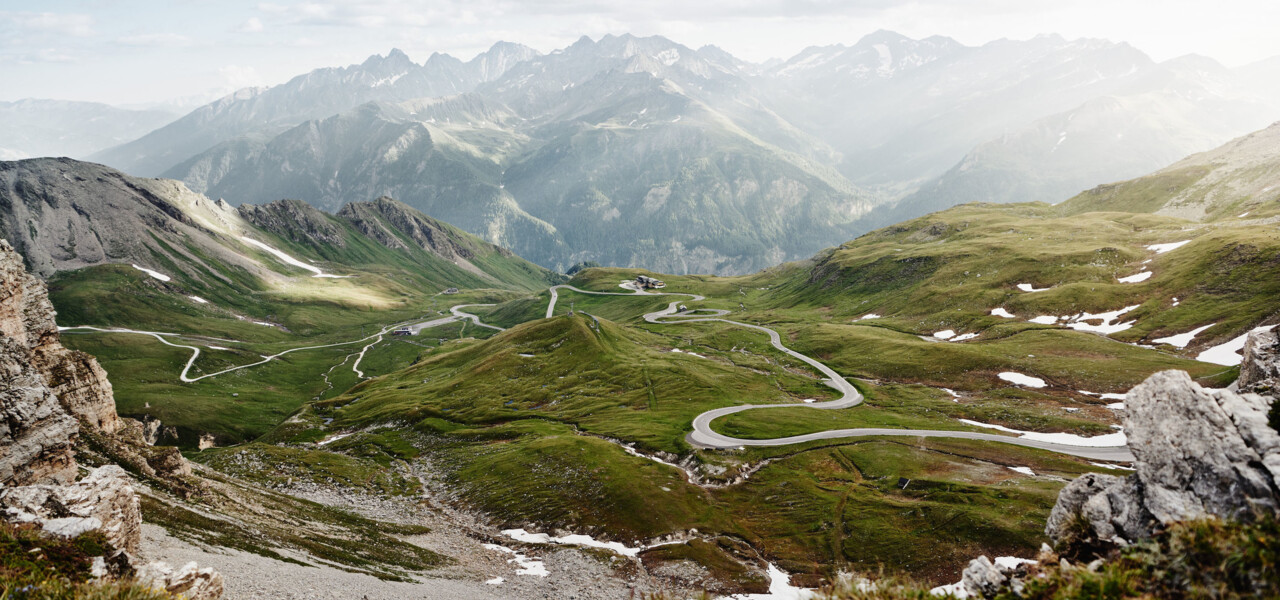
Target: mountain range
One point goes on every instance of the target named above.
(635, 151)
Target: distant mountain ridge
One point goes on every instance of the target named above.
(636, 151)
(35, 127)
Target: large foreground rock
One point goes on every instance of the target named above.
(103, 501)
(1199, 452)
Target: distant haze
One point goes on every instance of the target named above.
(134, 52)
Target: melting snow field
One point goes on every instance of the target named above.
(198, 299)
(1001, 312)
(1136, 278)
(780, 588)
(1023, 380)
(155, 274)
(1182, 339)
(1027, 287)
(1228, 354)
(1106, 326)
(686, 352)
(1081, 322)
(945, 334)
(1023, 470)
(527, 566)
(1162, 248)
(1066, 439)
(964, 337)
(869, 316)
(576, 539)
(285, 258)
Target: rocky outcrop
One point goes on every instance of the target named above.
(1260, 369)
(296, 221)
(190, 581)
(103, 501)
(27, 318)
(51, 397)
(1199, 453)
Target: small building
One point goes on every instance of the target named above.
(451, 290)
(649, 283)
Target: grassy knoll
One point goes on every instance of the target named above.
(596, 375)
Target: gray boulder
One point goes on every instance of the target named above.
(1199, 453)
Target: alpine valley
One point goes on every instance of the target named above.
(630, 319)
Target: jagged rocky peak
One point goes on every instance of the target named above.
(375, 219)
(1199, 453)
(296, 221)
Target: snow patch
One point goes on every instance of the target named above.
(198, 299)
(289, 260)
(526, 565)
(780, 588)
(1228, 354)
(1045, 320)
(573, 539)
(1001, 312)
(155, 274)
(333, 438)
(1162, 248)
(495, 581)
(1107, 326)
(945, 334)
(1027, 287)
(1136, 278)
(964, 337)
(869, 316)
(1182, 339)
(689, 353)
(1067, 439)
(1023, 380)
(1023, 470)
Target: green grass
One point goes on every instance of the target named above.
(276, 466)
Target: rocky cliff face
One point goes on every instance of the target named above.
(27, 317)
(44, 387)
(47, 393)
(1200, 453)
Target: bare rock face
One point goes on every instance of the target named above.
(1199, 452)
(103, 501)
(1260, 370)
(190, 581)
(27, 317)
(36, 433)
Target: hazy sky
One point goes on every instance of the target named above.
(128, 51)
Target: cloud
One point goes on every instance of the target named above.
(253, 25)
(155, 39)
(42, 55)
(75, 25)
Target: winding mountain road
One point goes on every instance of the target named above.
(705, 437)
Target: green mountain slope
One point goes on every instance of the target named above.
(1239, 180)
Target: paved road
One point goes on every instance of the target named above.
(706, 437)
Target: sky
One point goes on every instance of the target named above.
(185, 52)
